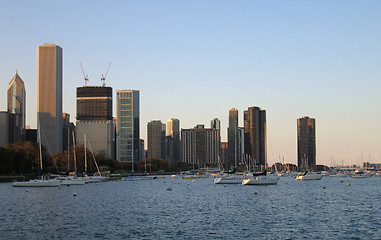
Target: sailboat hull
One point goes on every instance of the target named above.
(37, 183)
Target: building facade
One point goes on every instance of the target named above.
(200, 146)
(16, 108)
(49, 96)
(255, 137)
(233, 138)
(155, 139)
(94, 119)
(172, 140)
(306, 144)
(128, 125)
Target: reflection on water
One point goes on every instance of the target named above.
(325, 209)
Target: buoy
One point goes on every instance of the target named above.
(255, 193)
(169, 189)
(348, 184)
(324, 187)
(74, 194)
(342, 181)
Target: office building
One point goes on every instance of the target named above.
(16, 109)
(49, 96)
(128, 125)
(172, 140)
(306, 144)
(94, 119)
(255, 137)
(233, 138)
(200, 146)
(4, 128)
(155, 139)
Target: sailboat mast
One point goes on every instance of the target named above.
(75, 157)
(85, 155)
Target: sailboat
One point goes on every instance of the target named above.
(38, 182)
(97, 177)
(263, 178)
(306, 175)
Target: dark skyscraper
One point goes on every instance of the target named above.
(306, 144)
(255, 136)
(94, 118)
(233, 138)
(172, 140)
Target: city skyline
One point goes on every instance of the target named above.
(195, 61)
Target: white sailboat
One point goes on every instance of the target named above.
(97, 177)
(38, 182)
(263, 178)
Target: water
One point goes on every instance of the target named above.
(183, 209)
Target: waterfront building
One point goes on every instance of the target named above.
(306, 144)
(172, 140)
(128, 125)
(4, 128)
(142, 152)
(16, 108)
(200, 146)
(49, 96)
(68, 131)
(155, 139)
(94, 118)
(241, 146)
(224, 154)
(255, 137)
(233, 138)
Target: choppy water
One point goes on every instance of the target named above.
(325, 209)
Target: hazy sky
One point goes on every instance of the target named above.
(194, 60)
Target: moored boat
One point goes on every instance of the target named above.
(262, 178)
(309, 176)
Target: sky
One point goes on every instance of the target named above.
(194, 60)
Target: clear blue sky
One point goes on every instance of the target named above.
(194, 60)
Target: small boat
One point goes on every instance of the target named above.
(338, 174)
(359, 173)
(262, 178)
(38, 183)
(70, 180)
(228, 179)
(309, 176)
(191, 176)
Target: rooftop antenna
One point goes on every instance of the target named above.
(86, 77)
(103, 78)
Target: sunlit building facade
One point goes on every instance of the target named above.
(49, 96)
(172, 140)
(16, 108)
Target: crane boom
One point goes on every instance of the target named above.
(103, 78)
(85, 77)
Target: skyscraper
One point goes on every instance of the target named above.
(16, 108)
(128, 125)
(200, 146)
(306, 144)
(49, 96)
(172, 140)
(255, 136)
(233, 138)
(155, 138)
(94, 118)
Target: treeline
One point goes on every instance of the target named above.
(24, 158)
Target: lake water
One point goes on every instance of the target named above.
(325, 209)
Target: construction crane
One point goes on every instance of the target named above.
(103, 78)
(86, 77)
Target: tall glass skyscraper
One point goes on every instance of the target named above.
(49, 96)
(233, 138)
(16, 109)
(172, 140)
(128, 125)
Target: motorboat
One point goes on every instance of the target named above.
(309, 176)
(359, 173)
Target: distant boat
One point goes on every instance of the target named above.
(231, 179)
(359, 173)
(194, 176)
(263, 178)
(38, 182)
(309, 176)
